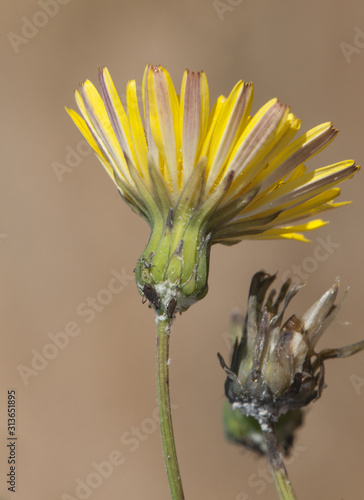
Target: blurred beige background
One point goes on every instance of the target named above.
(62, 239)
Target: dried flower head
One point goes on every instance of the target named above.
(275, 367)
(200, 177)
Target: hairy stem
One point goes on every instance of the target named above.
(169, 449)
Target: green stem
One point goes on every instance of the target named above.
(276, 464)
(169, 450)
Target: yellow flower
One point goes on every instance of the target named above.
(201, 177)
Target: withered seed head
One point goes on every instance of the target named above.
(274, 366)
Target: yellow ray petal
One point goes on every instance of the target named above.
(308, 226)
(211, 124)
(152, 148)
(314, 205)
(85, 131)
(290, 232)
(308, 185)
(164, 122)
(255, 185)
(136, 127)
(297, 172)
(95, 115)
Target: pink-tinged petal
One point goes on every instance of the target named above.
(190, 120)
(299, 151)
(194, 115)
(152, 148)
(255, 171)
(274, 233)
(292, 193)
(311, 207)
(285, 162)
(118, 118)
(231, 121)
(260, 136)
(204, 115)
(164, 117)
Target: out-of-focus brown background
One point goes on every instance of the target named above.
(63, 237)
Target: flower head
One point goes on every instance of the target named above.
(200, 177)
(275, 367)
